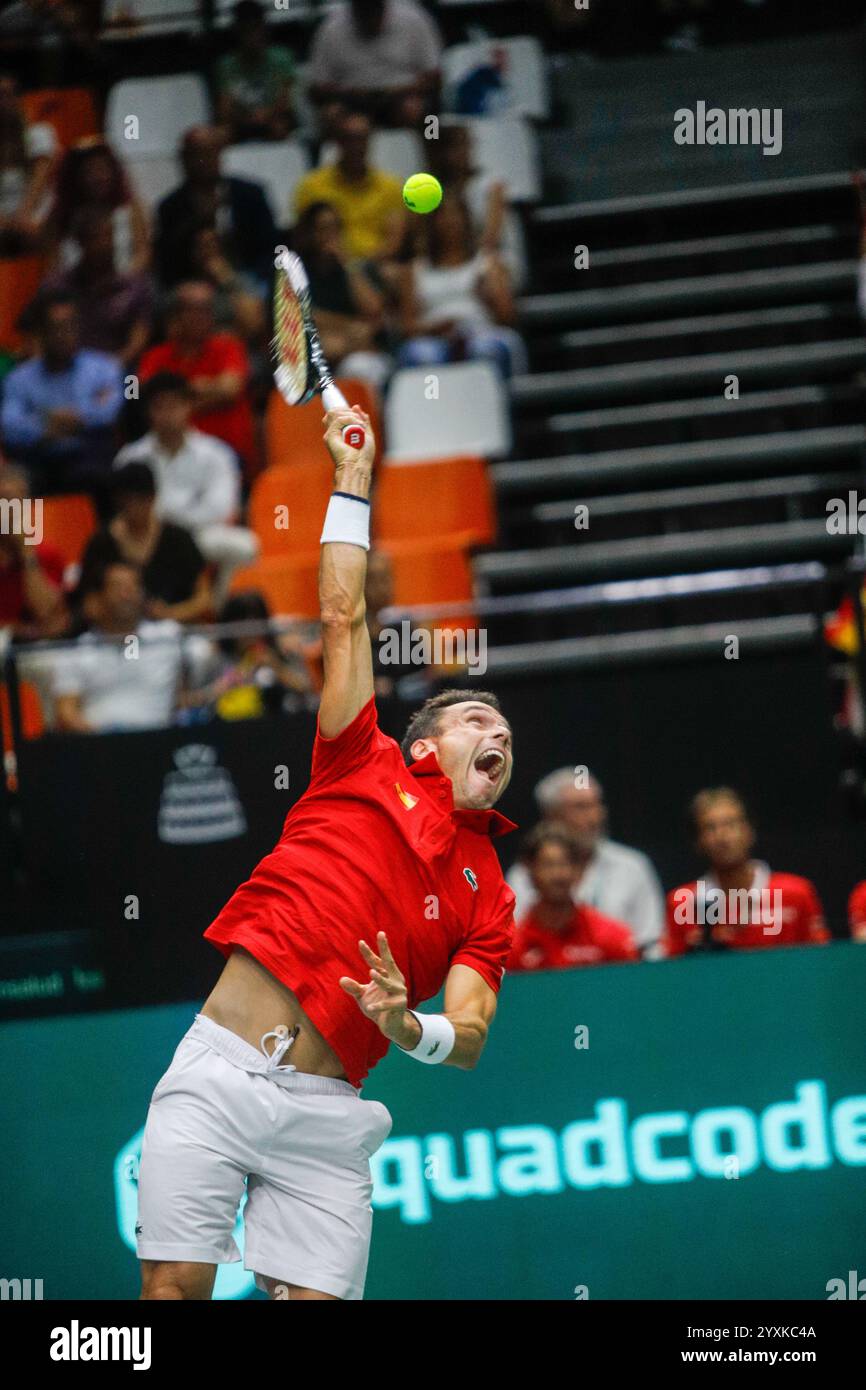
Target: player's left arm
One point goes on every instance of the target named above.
(470, 1004)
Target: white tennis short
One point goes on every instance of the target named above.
(223, 1115)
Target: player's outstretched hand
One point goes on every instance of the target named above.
(384, 998)
(342, 453)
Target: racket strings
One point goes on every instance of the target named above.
(290, 343)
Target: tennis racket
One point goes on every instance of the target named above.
(300, 369)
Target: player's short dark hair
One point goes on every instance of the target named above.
(548, 833)
(707, 797)
(166, 384)
(425, 721)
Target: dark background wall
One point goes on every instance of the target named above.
(88, 808)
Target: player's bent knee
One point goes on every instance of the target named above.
(169, 1280)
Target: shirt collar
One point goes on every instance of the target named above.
(484, 822)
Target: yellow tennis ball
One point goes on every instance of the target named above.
(422, 193)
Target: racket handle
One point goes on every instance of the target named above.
(353, 435)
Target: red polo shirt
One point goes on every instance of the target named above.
(857, 912)
(222, 352)
(372, 846)
(590, 938)
(788, 912)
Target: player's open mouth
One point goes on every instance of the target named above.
(490, 763)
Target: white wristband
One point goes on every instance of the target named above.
(348, 520)
(436, 1041)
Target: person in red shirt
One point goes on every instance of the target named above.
(216, 366)
(857, 912)
(557, 933)
(383, 887)
(31, 571)
(740, 903)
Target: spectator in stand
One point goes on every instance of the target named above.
(618, 881)
(115, 307)
(31, 571)
(381, 56)
(740, 903)
(261, 671)
(60, 407)
(255, 80)
(239, 301)
(27, 154)
(198, 482)
(172, 568)
(494, 222)
(215, 366)
(857, 912)
(98, 688)
(369, 202)
(90, 178)
(456, 300)
(349, 312)
(237, 207)
(558, 933)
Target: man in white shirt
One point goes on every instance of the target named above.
(379, 56)
(124, 673)
(197, 479)
(620, 882)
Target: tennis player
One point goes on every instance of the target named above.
(383, 887)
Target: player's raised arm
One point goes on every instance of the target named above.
(346, 653)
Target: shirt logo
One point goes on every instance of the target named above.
(471, 880)
(407, 800)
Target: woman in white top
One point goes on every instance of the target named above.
(456, 300)
(26, 157)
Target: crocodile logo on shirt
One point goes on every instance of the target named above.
(408, 800)
(471, 880)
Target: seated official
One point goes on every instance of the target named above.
(557, 933)
(172, 568)
(857, 912)
(615, 879)
(739, 903)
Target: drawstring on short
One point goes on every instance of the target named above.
(284, 1040)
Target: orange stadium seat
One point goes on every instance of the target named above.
(288, 583)
(444, 497)
(304, 489)
(19, 280)
(68, 522)
(436, 572)
(431, 571)
(293, 434)
(71, 110)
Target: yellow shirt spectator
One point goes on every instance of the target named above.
(370, 208)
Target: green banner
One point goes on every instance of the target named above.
(687, 1129)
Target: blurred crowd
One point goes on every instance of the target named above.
(144, 371)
